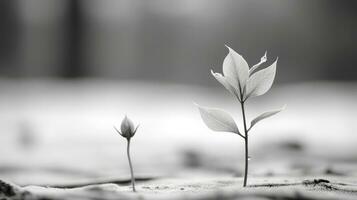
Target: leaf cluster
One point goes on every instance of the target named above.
(243, 83)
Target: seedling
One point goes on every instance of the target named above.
(128, 131)
(243, 83)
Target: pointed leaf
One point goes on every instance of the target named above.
(260, 82)
(235, 69)
(218, 120)
(226, 84)
(262, 60)
(265, 115)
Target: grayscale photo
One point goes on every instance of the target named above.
(178, 99)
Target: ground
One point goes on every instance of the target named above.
(195, 188)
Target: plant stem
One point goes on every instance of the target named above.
(130, 165)
(246, 145)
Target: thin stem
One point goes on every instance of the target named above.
(131, 166)
(249, 129)
(246, 145)
(246, 134)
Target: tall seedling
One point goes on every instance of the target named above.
(243, 83)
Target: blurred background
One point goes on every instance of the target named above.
(175, 41)
(71, 69)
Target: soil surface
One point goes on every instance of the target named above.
(193, 188)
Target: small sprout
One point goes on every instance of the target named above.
(128, 130)
(242, 83)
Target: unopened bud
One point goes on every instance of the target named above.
(127, 128)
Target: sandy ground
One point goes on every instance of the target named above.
(197, 188)
(57, 142)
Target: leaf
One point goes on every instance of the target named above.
(236, 69)
(260, 82)
(218, 120)
(265, 115)
(226, 84)
(262, 60)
